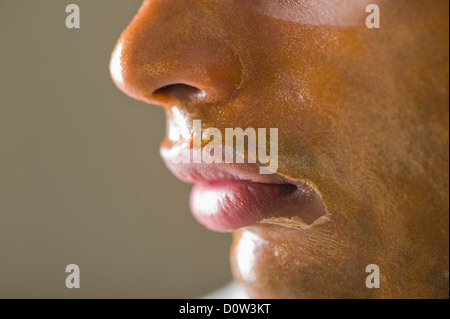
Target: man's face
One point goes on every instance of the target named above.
(362, 117)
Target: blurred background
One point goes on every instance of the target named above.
(81, 180)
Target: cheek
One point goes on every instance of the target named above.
(325, 261)
(342, 13)
(325, 92)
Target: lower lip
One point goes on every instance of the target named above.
(227, 205)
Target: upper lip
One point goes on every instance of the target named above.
(202, 172)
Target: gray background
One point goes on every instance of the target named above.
(81, 180)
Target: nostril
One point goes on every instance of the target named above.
(178, 91)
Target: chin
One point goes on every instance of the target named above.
(286, 259)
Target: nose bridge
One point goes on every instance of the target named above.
(176, 42)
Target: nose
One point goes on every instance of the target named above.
(176, 50)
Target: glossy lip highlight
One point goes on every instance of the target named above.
(230, 196)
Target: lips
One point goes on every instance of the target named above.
(230, 196)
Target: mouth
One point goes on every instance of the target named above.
(226, 197)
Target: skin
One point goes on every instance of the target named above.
(362, 117)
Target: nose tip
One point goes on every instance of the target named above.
(162, 56)
(116, 66)
(148, 90)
